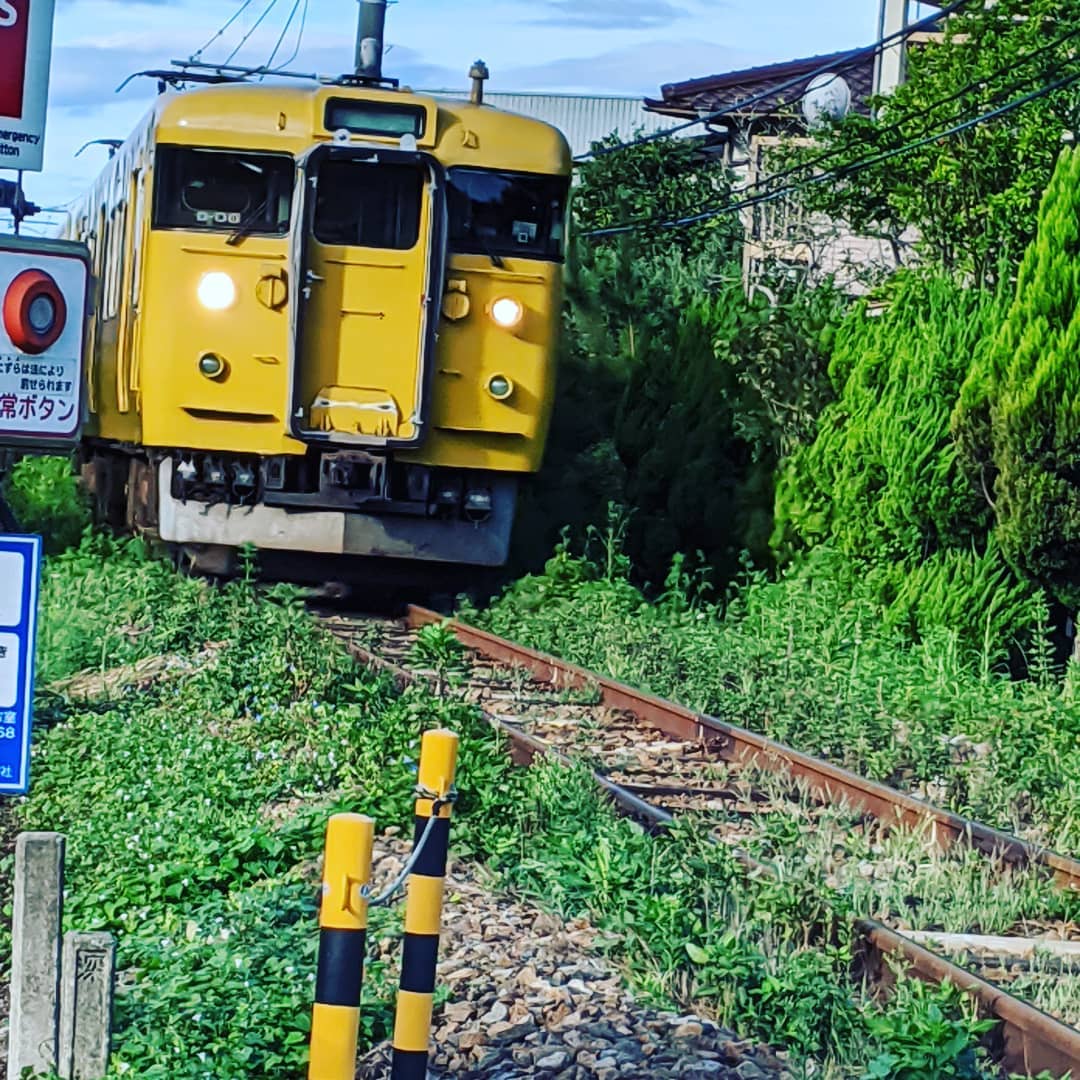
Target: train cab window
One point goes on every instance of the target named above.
(502, 213)
(220, 191)
(361, 204)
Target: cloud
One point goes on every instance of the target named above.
(634, 69)
(611, 14)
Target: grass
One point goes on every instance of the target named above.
(194, 810)
(808, 661)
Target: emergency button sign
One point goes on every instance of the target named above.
(20, 562)
(43, 289)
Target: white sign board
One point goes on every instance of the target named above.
(26, 29)
(44, 289)
(20, 568)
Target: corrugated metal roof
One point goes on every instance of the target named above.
(583, 119)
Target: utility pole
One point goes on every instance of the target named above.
(890, 64)
(895, 16)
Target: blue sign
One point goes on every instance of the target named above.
(20, 570)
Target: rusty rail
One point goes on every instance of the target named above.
(828, 782)
(1031, 1041)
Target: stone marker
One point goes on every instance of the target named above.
(35, 952)
(86, 998)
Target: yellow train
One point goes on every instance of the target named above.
(326, 320)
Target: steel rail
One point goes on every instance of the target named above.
(1030, 1041)
(828, 782)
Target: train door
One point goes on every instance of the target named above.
(369, 259)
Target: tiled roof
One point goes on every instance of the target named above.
(717, 92)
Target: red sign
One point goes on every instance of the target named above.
(14, 36)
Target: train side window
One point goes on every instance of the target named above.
(219, 191)
(360, 204)
(114, 268)
(502, 213)
(104, 251)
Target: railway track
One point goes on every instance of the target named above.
(658, 760)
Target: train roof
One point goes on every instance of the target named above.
(292, 117)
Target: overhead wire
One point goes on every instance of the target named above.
(224, 30)
(268, 66)
(299, 40)
(835, 66)
(840, 173)
(930, 109)
(251, 30)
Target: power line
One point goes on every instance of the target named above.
(975, 84)
(854, 167)
(258, 22)
(224, 29)
(284, 30)
(828, 155)
(299, 39)
(834, 66)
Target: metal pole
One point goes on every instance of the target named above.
(16, 210)
(343, 918)
(369, 39)
(423, 907)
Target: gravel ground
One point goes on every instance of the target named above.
(531, 996)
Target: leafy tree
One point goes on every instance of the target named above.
(1018, 420)
(655, 182)
(677, 394)
(623, 292)
(973, 197)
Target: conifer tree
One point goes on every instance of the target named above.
(1018, 421)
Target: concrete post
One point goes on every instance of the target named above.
(35, 960)
(86, 999)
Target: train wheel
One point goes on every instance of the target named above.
(105, 476)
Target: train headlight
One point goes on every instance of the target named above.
(507, 312)
(217, 291)
(500, 387)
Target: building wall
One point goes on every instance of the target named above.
(780, 236)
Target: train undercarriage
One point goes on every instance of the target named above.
(352, 517)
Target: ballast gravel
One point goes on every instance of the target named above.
(531, 996)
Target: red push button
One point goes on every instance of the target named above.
(34, 312)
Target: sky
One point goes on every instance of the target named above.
(599, 46)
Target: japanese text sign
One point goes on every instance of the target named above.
(26, 28)
(43, 305)
(20, 567)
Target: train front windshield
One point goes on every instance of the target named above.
(221, 191)
(502, 213)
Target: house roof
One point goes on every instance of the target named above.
(716, 92)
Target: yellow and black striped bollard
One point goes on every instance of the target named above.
(423, 906)
(343, 917)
